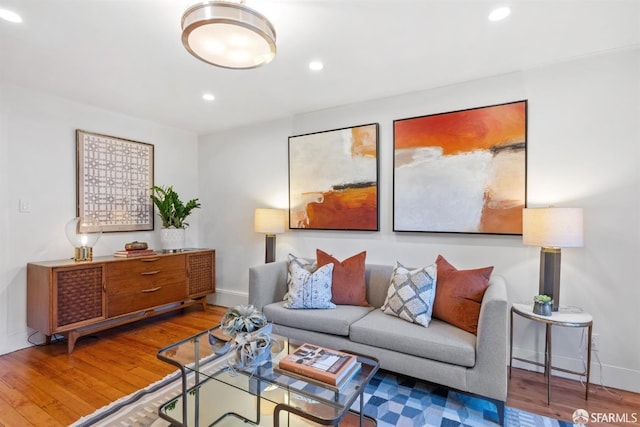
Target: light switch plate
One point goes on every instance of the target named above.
(24, 206)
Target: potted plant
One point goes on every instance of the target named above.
(542, 305)
(251, 337)
(173, 212)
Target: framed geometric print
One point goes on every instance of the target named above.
(113, 181)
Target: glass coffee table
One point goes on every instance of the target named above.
(213, 394)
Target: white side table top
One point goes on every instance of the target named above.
(565, 316)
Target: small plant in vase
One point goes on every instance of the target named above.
(173, 212)
(542, 305)
(251, 337)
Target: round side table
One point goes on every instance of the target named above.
(565, 316)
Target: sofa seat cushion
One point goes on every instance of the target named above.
(336, 321)
(440, 341)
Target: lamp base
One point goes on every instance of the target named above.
(270, 248)
(83, 253)
(550, 274)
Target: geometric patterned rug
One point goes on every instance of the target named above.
(393, 400)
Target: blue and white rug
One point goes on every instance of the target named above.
(394, 401)
(400, 401)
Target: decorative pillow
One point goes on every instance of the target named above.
(309, 290)
(308, 264)
(411, 294)
(348, 284)
(460, 295)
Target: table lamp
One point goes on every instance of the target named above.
(270, 222)
(552, 229)
(83, 234)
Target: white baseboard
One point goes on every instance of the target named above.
(601, 374)
(228, 298)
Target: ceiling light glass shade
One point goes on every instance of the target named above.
(228, 35)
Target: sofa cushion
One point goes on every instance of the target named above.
(335, 322)
(411, 293)
(309, 290)
(348, 285)
(440, 341)
(459, 294)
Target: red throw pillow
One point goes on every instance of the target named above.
(459, 294)
(348, 286)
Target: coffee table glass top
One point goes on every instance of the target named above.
(202, 358)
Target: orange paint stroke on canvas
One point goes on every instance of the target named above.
(348, 208)
(464, 131)
(364, 141)
(501, 217)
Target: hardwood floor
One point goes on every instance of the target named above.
(45, 386)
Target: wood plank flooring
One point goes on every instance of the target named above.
(45, 386)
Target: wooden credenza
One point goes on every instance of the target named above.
(79, 298)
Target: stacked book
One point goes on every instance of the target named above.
(133, 252)
(313, 363)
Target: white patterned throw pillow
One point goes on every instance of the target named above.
(411, 294)
(309, 290)
(310, 265)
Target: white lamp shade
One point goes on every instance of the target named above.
(553, 227)
(269, 221)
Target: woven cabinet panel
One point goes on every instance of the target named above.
(79, 295)
(200, 273)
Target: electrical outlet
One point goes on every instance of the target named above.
(595, 341)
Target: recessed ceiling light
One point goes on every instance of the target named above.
(10, 16)
(316, 65)
(208, 97)
(499, 13)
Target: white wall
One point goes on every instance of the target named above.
(583, 151)
(37, 163)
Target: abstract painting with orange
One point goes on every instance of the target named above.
(333, 179)
(463, 171)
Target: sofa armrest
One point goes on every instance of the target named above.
(490, 371)
(267, 283)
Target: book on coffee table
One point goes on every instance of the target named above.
(344, 381)
(320, 363)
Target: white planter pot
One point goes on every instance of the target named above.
(172, 238)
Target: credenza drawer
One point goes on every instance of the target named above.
(145, 273)
(143, 281)
(145, 298)
(134, 267)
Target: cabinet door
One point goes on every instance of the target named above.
(201, 273)
(78, 296)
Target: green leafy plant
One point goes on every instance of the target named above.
(543, 299)
(242, 318)
(171, 209)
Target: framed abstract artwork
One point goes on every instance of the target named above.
(333, 179)
(461, 172)
(114, 178)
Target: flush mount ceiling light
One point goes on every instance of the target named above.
(228, 34)
(10, 16)
(499, 13)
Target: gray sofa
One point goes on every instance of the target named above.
(442, 353)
